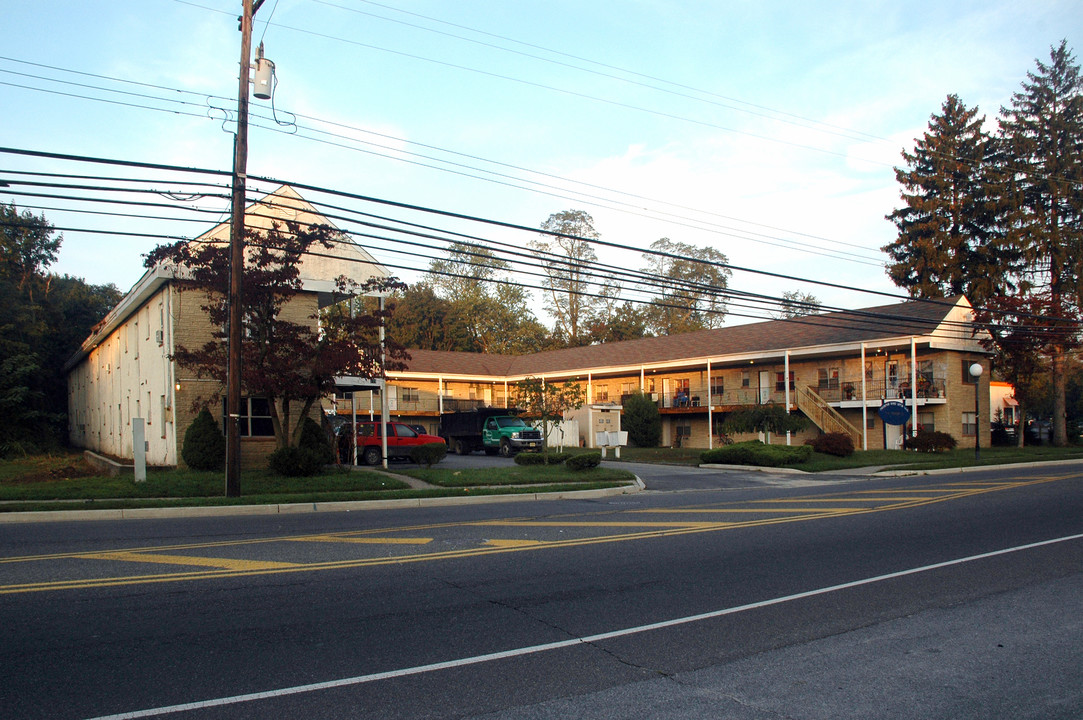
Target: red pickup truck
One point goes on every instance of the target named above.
(400, 438)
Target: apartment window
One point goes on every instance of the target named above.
(683, 433)
(780, 382)
(827, 378)
(870, 422)
(255, 419)
(746, 378)
(927, 421)
(410, 394)
(969, 424)
(925, 370)
(601, 393)
(718, 386)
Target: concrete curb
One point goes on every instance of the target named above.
(973, 468)
(755, 468)
(298, 508)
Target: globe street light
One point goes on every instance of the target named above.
(975, 372)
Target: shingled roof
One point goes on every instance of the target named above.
(837, 328)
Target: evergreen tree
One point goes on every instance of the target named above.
(948, 242)
(1042, 163)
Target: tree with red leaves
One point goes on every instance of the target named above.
(291, 364)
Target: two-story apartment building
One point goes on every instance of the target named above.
(124, 371)
(836, 368)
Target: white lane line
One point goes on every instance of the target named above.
(534, 649)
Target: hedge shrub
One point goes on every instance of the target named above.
(295, 461)
(758, 454)
(539, 459)
(586, 461)
(204, 444)
(835, 443)
(428, 454)
(931, 441)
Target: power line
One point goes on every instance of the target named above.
(575, 196)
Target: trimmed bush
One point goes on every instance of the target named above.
(204, 444)
(295, 461)
(758, 454)
(314, 438)
(586, 461)
(428, 454)
(836, 443)
(931, 441)
(538, 459)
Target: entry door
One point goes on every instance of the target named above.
(765, 386)
(667, 393)
(894, 435)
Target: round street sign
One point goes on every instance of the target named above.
(894, 412)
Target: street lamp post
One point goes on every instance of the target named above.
(975, 372)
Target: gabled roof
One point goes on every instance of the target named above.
(944, 320)
(318, 271)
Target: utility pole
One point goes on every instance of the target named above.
(236, 263)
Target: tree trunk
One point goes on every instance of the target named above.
(1060, 432)
(1020, 424)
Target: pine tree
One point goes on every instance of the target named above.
(1042, 137)
(948, 242)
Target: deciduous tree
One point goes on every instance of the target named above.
(574, 294)
(690, 283)
(548, 401)
(291, 364)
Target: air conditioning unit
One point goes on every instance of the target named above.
(159, 337)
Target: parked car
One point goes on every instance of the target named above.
(400, 438)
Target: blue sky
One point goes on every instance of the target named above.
(767, 130)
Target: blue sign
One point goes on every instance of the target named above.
(894, 412)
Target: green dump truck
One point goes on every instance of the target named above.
(494, 430)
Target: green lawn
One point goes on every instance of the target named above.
(959, 457)
(65, 481)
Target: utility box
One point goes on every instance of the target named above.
(597, 418)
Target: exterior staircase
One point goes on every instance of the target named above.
(824, 416)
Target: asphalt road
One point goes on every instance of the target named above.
(948, 596)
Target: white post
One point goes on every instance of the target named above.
(710, 414)
(913, 386)
(864, 404)
(385, 416)
(139, 448)
(353, 424)
(786, 384)
(590, 412)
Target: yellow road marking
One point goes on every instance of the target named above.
(221, 563)
(224, 568)
(600, 523)
(727, 511)
(362, 540)
(844, 499)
